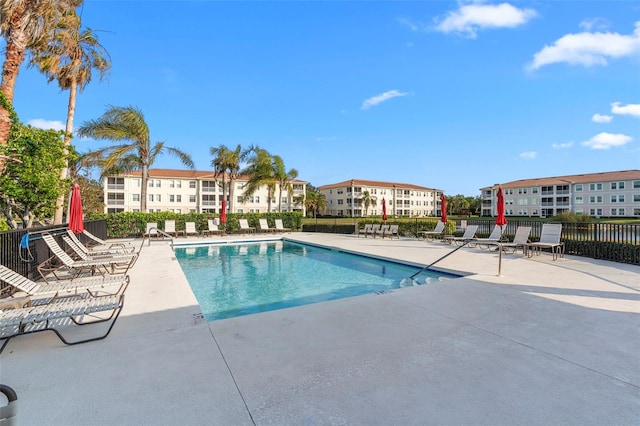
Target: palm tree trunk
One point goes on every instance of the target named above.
(280, 198)
(71, 111)
(232, 191)
(143, 190)
(14, 56)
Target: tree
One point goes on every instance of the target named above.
(31, 185)
(260, 170)
(314, 201)
(226, 162)
(23, 23)
(368, 201)
(127, 124)
(283, 178)
(69, 57)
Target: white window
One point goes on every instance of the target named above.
(192, 184)
(135, 197)
(172, 198)
(595, 187)
(579, 200)
(617, 185)
(192, 198)
(636, 184)
(636, 198)
(617, 198)
(578, 187)
(595, 199)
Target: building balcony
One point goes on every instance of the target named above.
(115, 202)
(116, 186)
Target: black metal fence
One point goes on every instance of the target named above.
(618, 242)
(25, 260)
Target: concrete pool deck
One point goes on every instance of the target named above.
(547, 342)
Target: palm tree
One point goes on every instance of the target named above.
(283, 178)
(368, 201)
(314, 201)
(70, 58)
(127, 124)
(23, 24)
(261, 172)
(226, 162)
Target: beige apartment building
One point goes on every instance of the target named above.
(607, 194)
(402, 199)
(191, 191)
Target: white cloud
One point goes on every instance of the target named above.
(562, 145)
(470, 18)
(529, 155)
(594, 24)
(607, 140)
(600, 118)
(629, 109)
(588, 49)
(410, 24)
(41, 123)
(378, 99)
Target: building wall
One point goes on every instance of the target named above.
(346, 200)
(605, 195)
(193, 194)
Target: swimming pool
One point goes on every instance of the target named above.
(231, 280)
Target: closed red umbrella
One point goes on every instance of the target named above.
(501, 220)
(76, 221)
(384, 209)
(443, 208)
(223, 213)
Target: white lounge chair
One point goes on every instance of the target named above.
(244, 226)
(520, 241)
(467, 236)
(549, 239)
(190, 229)
(375, 228)
(212, 228)
(18, 283)
(391, 232)
(82, 253)
(75, 268)
(114, 248)
(495, 236)
(381, 230)
(437, 231)
(81, 310)
(280, 227)
(366, 230)
(170, 228)
(264, 226)
(151, 230)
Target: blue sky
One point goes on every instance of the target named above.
(448, 95)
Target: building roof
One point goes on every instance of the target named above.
(375, 183)
(571, 179)
(185, 174)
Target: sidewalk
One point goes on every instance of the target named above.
(544, 343)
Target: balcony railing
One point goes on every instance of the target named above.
(115, 202)
(118, 186)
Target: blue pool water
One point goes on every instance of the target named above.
(231, 280)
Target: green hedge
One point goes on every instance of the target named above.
(328, 228)
(128, 224)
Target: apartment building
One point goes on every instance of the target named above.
(189, 191)
(402, 199)
(607, 194)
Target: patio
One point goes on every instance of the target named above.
(547, 342)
